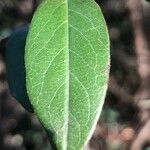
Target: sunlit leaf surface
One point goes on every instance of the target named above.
(67, 65)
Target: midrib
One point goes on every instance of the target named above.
(65, 142)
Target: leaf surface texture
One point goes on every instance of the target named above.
(67, 65)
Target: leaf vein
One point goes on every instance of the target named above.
(96, 61)
(87, 95)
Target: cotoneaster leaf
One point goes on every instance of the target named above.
(67, 67)
(15, 66)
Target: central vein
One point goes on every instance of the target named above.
(66, 119)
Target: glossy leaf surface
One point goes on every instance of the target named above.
(15, 66)
(67, 65)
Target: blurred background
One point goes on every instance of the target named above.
(125, 120)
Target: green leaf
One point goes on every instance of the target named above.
(15, 66)
(67, 64)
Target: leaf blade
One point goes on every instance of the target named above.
(67, 81)
(15, 66)
(58, 70)
(85, 30)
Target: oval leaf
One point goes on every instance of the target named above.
(15, 66)
(67, 64)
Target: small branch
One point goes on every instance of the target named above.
(143, 65)
(119, 92)
(141, 47)
(126, 60)
(142, 138)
